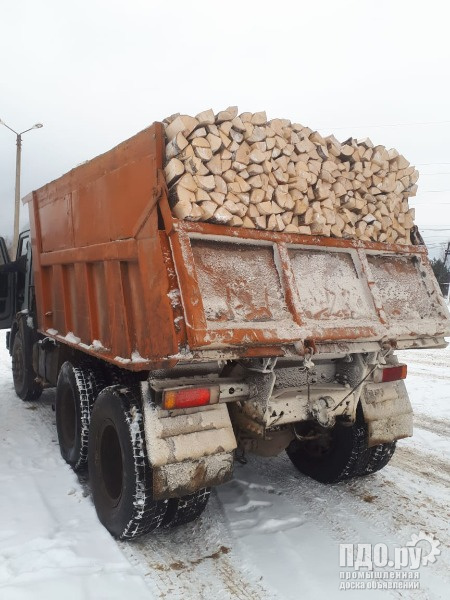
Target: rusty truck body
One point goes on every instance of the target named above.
(175, 346)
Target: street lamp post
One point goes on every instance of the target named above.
(18, 167)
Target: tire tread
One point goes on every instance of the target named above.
(187, 508)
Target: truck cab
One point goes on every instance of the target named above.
(6, 288)
(16, 280)
(17, 313)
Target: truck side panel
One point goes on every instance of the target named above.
(101, 279)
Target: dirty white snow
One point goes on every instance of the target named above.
(268, 534)
(51, 544)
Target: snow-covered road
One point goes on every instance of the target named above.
(271, 533)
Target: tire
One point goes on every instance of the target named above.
(379, 457)
(119, 472)
(76, 391)
(24, 377)
(340, 454)
(186, 509)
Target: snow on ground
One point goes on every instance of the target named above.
(271, 533)
(51, 544)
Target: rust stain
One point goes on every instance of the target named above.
(369, 498)
(177, 565)
(215, 555)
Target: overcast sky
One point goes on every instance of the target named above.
(97, 71)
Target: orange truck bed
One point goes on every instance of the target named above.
(119, 277)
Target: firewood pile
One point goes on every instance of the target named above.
(245, 171)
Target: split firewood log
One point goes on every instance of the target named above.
(245, 171)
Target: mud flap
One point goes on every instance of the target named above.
(387, 412)
(188, 449)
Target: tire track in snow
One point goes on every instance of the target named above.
(383, 500)
(419, 358)
(425, 373)
(383, 506)
(195, 561)
(211, 571)
(438, 426)
(424, 465)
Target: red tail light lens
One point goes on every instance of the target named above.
(185, 398)
(393, 373)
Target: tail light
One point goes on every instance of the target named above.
(390, 373)
(186, 398)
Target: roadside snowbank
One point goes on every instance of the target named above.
(51, 544)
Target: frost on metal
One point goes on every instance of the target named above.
(120, 359)
(98, 346)
(239, 283)
(72, 338)
(174, 297)
(137, 358)
(329, 287)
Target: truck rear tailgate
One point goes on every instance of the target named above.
(268, 288)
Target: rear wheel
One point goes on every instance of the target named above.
(25, 383)
(379, 457)
(75, 394)
(186, 509)
(119, 472)
(332, 455)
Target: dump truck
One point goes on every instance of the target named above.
(177, 347)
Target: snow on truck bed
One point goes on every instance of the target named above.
(268, 534)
